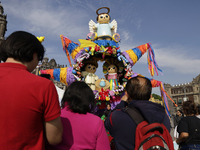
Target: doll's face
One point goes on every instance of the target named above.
(103, 19)
(112, 69)
(90, 68)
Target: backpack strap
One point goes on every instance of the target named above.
(134, 114)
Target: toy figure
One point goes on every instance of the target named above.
(113, 68)
(104, 29)
(90, 68)
(112, 76)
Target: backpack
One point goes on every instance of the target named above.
(153, 136)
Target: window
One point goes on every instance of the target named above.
(180, 101)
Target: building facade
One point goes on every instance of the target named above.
(183, 92)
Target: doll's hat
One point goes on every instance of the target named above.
(91, 61)
(108, 62)
(102, 83)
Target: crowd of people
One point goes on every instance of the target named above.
(31, 117)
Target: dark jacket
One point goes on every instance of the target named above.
(177, 120)
(106, 112)
(122, 127)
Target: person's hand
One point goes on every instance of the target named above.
(175, 138)
(124, 98)
(176, 141)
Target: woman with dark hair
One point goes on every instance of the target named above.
(107, 111)
(178, 117)
(189, 128)
(81, 129)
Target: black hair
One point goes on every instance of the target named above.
(198, 109)
(21, 46)
(108, 104)
(189, 108)
(79, 98)
(139, 88)
(180, 111)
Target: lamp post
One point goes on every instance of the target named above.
(184, 99)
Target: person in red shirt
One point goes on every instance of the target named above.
(29, 106)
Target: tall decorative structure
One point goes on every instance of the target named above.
(3, 23)
(102, 44)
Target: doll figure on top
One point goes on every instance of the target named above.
(90, 67)
(103, 30)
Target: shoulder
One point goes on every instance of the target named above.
(119, 115)
(40, 81)
(93, 117)
(191, 118)
(188, 120)
(94, 121)
(89, 118)
(110, 24)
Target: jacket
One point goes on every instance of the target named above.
(122, 127)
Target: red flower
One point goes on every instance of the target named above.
(103, 94)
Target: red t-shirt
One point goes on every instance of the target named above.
(26, 102)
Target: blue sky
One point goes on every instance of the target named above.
(171, 26)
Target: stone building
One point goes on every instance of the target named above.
(46, 64)
(183, 92)
(3, 23)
